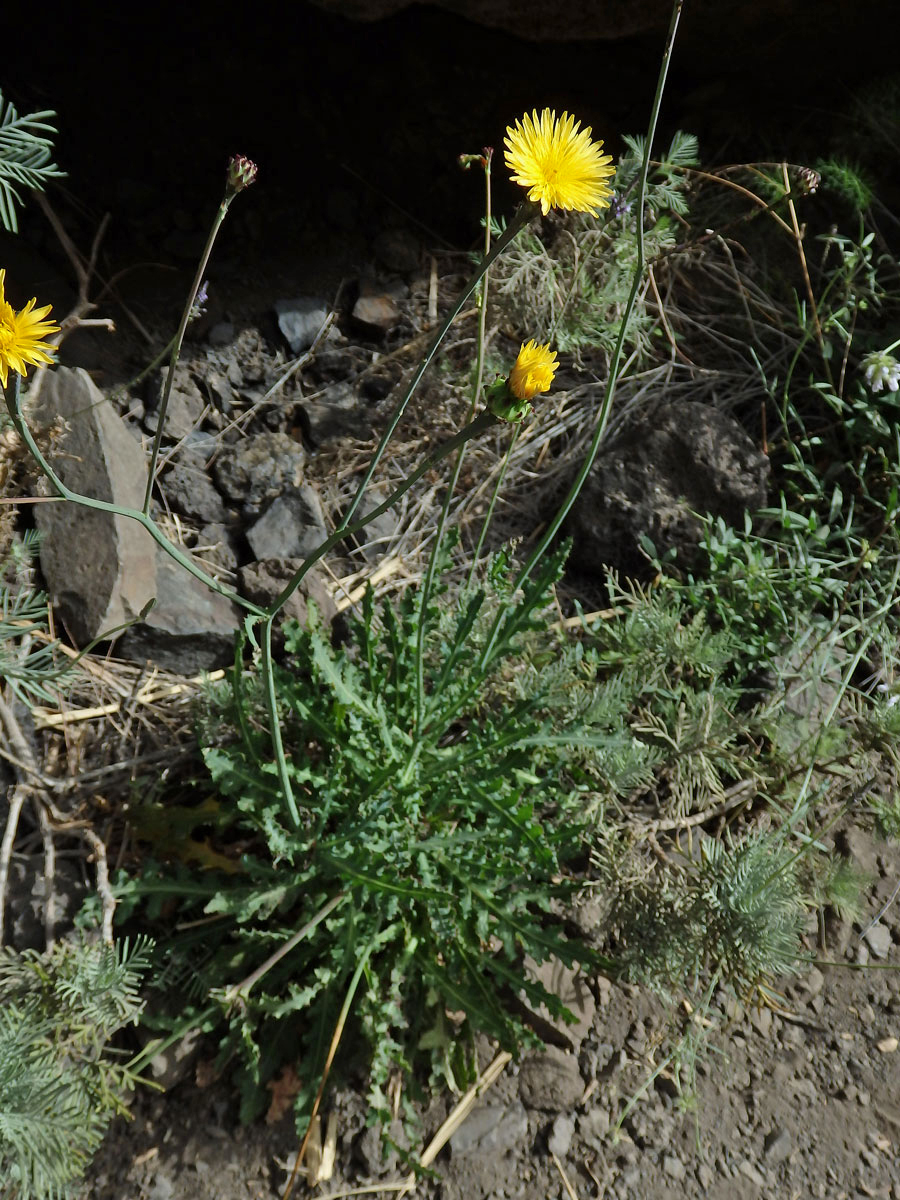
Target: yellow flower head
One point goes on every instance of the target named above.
(21, 334)
(560, 166)
(533, 371)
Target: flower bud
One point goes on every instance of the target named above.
(241, 173)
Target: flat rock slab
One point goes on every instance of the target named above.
(190, 628)
(100, 568)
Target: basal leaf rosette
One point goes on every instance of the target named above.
(532, 373)
(21, 336)
(558, 163)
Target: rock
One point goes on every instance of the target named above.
(750, 1172)
(777, 1146)
(373, 538)
(376, 1155)
(376, 313)
(333, 415)
(256, 470)
(176, 1062)
(300, 321)
(190, 628)
(879, 940)
(398, 250)
(669, 464)
(215, 544)
(190, 491)
(561, 1134)
(551, 1081)
(261, 582)
(493, 1127)
(219, 390)
(185, 407)
(100, 569)
(293, 526)
(571, 986)
(673, 1167)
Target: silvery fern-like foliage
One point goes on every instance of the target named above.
(59, 1086)
(26, 158)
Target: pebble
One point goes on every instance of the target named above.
(750, 1172)
(888, 1045)
(879, 940)
(777, 1146)
(495, 1128)
(674, 1167)
(561, 1134)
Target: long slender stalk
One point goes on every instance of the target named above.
(425, 589)
(177, 343)
(606, 407)
(523, 215)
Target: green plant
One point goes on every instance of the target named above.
(60, 1082)
(25, 158)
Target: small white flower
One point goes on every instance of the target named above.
(881, 370)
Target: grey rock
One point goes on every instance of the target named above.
(706, 1176)
(668, 465)
(673, 1167)
(398, 250)
(215, 545)
(333, 415)
(261, 582)
(493, 1127)
(750, 1172)
(879, 940)
(256, 470)
(219, 389)
(374, 1152)
(593, 1127)
(190, 628)
(551, 1081)
(374, 536)
(300, 321)
(291, 527)
(777, 1146)
(184, 409)
(190, 491)
(561, 1134)
(100, 569)
(571, 986)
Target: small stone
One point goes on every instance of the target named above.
(494, 1127)
(377, 313)
(293, 526)
(777, 1146)
(706, 1176)
(189, 491)
(300, 321)
(333, 415)
(814, 981)
(571, 987)
(551, 1081)
(561, 1135)
(257, 469)
(879, 940)
(888, 1045)
(593, 1127)
(750, 1172)
(673, 1167)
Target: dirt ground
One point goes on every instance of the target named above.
(798, 1102)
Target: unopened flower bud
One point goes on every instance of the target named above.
(241, 173)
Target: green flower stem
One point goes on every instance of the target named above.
(481, 423)
(522, 216)
(603, 416)
(14, 408)
(476, 553)
(177, 343)
(425, 590)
